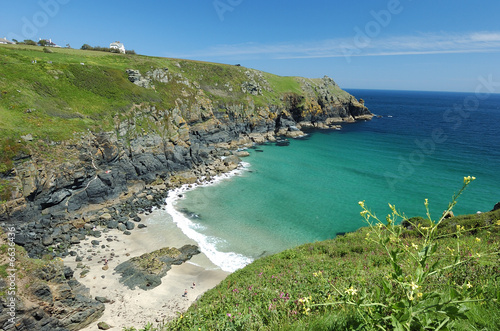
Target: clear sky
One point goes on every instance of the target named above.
(443, 45)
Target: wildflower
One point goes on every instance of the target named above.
(228, 315)
(497, 222)
(426, 202)
(469, 285)
(362, 204)
(414, 245)
(410, 297)
(478, 255)
(316, 274)
(413, 286)
(351, 291)
(478, 239)
(363, 213)
(468, 179)
(419, 295)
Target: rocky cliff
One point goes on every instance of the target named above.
(186, 115)
(95, 139)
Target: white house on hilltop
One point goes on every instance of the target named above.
(49, 43)
(5, 41)
(118, 45)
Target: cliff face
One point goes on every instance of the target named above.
(92, 138)
(184, 115)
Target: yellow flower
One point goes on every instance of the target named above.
(413, 286)
(419, 295)
(414, 246)
(362, 204)
(411, 297)
(469, 285)
(469, 179)
(498, 222)
(478, 239)
(351, 291)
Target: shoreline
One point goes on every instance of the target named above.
(227, 261)
(135, 308)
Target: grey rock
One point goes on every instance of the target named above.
(134, 274)
(112, 224)
(47, 240)
(102, 299)
(130, 225)
(74, 240)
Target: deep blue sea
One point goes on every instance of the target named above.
(420, 146)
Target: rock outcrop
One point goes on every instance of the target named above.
(48, 298)
(147, 270)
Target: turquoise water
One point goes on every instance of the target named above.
(420, 148)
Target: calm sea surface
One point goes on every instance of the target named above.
(421, 146)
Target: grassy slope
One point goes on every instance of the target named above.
(70, 97)
(264, 295)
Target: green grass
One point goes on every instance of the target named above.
(71, 90)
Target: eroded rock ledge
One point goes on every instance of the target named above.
(147, 270)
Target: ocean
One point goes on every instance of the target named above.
(420, 145)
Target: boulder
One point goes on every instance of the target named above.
(47, 240)
(112, 224)
(496, 207)
(74, 240)
(103, 326)
(129, 225)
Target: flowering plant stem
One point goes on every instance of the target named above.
(417, 293)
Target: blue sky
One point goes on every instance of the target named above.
(441, 45)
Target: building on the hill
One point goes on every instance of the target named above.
(49, 43)
(118, 45)
(5, 41)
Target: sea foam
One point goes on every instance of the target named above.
(227, 261)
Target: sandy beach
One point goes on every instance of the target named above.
(135, 308)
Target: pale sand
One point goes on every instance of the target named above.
(138, 307)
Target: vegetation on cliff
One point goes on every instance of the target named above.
(53, 95)
(55, 108)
